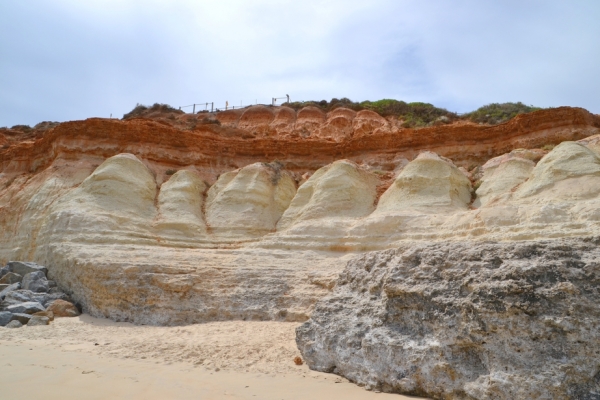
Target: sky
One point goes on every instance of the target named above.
(66, 60)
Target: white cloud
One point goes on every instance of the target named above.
(70, 59)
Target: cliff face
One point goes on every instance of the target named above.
(252, 217)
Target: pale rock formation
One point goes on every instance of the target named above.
(465, 321)
(251, 201)
(115, 201)
(180, 206)
(501, 175)
(339, 190)
(429, 184)
(567, 161)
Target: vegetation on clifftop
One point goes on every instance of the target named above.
(497, 113)
(141, 110)
(412, 115)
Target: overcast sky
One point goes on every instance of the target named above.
(71, 59)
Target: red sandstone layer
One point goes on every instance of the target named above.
(304, 141)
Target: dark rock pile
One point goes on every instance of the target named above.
(27, 297)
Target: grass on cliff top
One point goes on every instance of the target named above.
(141, 110)
(412, 115)
(415, 115)
(497, 113)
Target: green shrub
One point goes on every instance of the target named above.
(140, 110)
(497, 113)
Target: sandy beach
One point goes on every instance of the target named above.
(91, 358)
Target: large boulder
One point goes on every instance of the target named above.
(36, 282)
(22, 268)
(465, 321)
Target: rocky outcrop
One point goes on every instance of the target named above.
(31, 301)
(471, 320)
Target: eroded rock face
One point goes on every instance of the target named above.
(249, 201)
(341, 189)
(465, 321)
(429, 182)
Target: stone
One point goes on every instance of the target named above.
(36, 282)
(5, 317)
(14, 324)
(22, 318)
(46, 313)
(4, 270)
(22, 296)
(3, 286)
(51, 284)
(22, 268)
(29, 307)
(38, 320)
(465, 320)
(62, 308)
(9, 289)
(11, 278)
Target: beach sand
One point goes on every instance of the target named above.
(92, 358)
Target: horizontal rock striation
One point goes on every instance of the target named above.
(247, 213)
(306, 141)
(456, 320)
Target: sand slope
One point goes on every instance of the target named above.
(62, 361)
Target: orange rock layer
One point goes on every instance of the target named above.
(303, 140)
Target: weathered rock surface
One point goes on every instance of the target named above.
(29, 307)
(61, 308)
(35, 282)
(11, 278)
(5, 317)
(465, 321)
(148, 222)
(14, 324)
(21, 317)
(46, 313)
(23, 268)
(10, 288)
(38, 320)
